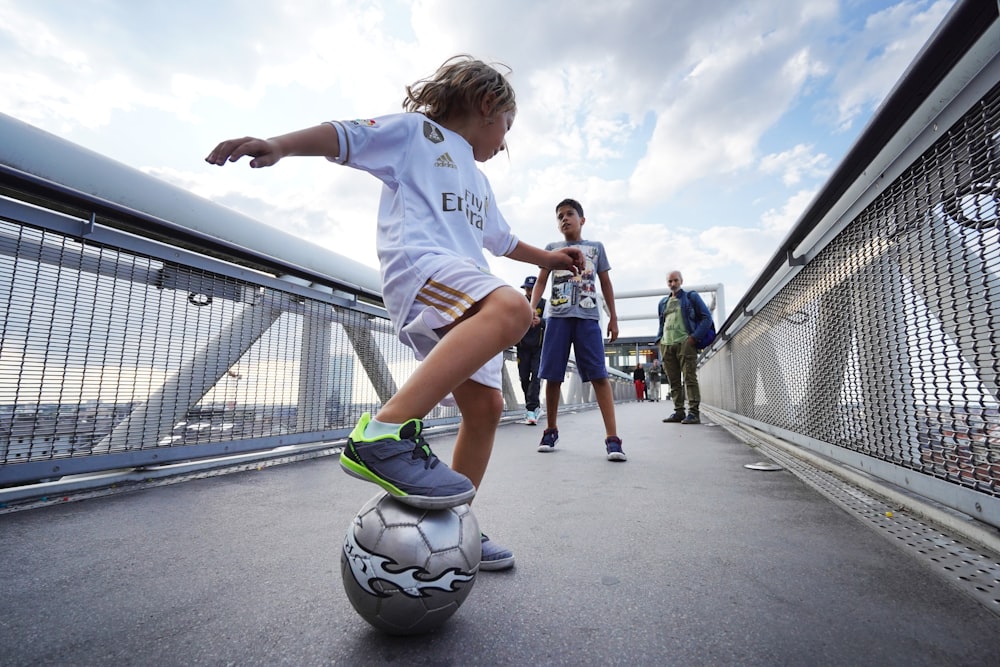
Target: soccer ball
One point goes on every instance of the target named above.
(407, 570)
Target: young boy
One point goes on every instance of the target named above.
(574, 320)
(437, 214)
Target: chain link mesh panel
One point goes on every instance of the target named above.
(886, 343)
(104, 350)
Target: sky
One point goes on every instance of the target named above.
(694, 133)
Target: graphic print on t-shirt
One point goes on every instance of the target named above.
(569, 290)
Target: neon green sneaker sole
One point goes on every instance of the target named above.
(405, 467)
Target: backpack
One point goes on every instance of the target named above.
(709, 336)
(707, 339)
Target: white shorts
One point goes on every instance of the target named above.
(443, 299)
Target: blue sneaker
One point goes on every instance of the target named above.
(404, 465)
(549, 439)
(614, 447)
(495, 557)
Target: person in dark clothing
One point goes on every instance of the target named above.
(529, 353)
(639, 379)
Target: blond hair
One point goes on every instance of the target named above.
(459, 87)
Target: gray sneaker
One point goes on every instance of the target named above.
(495, 557)
(404, 465)
(692, 418)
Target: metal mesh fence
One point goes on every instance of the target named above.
(120, 351)
(886, 343)
(105, 350)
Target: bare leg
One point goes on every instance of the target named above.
(553, 393)
(497, 322)
(606, 402)
(481, 408)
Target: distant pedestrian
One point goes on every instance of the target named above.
(685, 327)
(654, 379)
(529, 354)
(639, 380)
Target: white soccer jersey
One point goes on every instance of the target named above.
(436, 208)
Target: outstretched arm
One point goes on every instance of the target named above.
(321, 140)
(570, 259)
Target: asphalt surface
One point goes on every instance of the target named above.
(681, 556)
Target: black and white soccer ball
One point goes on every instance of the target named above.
(407, 570)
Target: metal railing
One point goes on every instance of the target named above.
(872, 336)
(144, 326)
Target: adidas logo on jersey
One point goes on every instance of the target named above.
(445, 161)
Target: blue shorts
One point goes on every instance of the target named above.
(588, 348)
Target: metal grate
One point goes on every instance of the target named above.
(105, 350)
(885, 343)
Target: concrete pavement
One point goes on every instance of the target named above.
(681, 556)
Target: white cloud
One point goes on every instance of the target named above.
(281, 196)
(871, 62)
(683, 127)
(715, 117)
(795, 164)
(775, 223)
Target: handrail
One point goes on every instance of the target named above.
(36, 165)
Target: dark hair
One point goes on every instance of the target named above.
(458, 87)
(571, 202)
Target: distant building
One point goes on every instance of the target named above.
(624, 352)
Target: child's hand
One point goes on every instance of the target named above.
(264, 152)
(612, 330)
(568, 258)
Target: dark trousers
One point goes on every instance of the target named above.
(527, 368)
